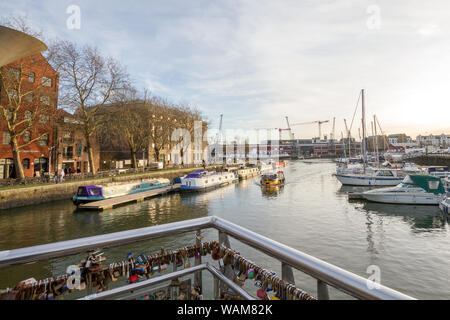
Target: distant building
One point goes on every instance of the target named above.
(70, 152)
(442, 140)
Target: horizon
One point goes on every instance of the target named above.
(256, 63)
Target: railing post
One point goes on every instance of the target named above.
(322, 291)
(216, 288)
(226, 270)
(287, 275)
(198, 261)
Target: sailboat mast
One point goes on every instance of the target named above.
(376, 138)
(363, 129)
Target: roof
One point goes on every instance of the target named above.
(196, 174)
(428, 183)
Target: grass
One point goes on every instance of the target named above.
(98, 178)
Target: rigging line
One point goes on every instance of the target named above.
(385, 139)
(350, 129)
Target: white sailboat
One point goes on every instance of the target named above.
(414, 189)
(369, 176)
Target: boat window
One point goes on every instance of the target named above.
(94, 192)
(82, 192)
(433, 185)
(206, 181)
(385, 173)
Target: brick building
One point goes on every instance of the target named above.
(32, 86)
(70, 152)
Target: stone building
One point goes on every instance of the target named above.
(70, 152)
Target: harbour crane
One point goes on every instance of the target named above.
(332, 131)
(318, 121)
(291, 135)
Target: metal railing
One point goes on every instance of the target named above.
(325, 273)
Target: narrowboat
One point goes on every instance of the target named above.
(91, 193)
(244, 173)
(202, 180)
(270, 180)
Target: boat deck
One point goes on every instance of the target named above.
(127, 199)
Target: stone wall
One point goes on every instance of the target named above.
(19, 197)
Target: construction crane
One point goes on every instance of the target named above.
(332, 131)
(291, 135)
(318, 121)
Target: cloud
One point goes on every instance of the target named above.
(259, 61)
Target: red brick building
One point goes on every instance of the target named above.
(33, 85)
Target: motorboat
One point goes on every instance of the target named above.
(202, 180)
(439, 171)
(414, 189)
(412, 168)
(271, 180)
(374, 177)
(92, 193)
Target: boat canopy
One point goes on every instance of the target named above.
(196, 174)
(428, 183)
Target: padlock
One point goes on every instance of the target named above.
(251, 273)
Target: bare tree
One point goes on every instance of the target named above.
(89, 81)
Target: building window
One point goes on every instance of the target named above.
(26, 136)
(13, 94)
(46, 82)
(43, 140)
(28, 114)
(13, 73)
(29, 97)
(44, 118)
(26, 163)
(31, 76)
(6, 137)
(45, 100)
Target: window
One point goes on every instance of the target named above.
(43, 140)
(13, 94)
(46, 82)
(45, 100)
(13, 73)
(67, 134)
(26, 163)
(31, 76)
(44, 118)
(6, 137)
(28, 114)
(26, 136)
(29, 97)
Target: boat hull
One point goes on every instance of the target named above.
(445, 206)
(425, 199)
(367, 181)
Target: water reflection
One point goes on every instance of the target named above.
(420, 218)
(273, 192)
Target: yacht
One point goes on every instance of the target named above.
(414, 189)
(372, 177)
(439, 171)
(202, 180)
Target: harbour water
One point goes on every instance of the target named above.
(409, 244)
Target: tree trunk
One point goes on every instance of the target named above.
(17, 162)
(90, 155)
(133, 158)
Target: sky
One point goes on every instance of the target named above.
(257, 62)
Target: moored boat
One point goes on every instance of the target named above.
(265, 167)
(270, 180)
(202, 180)
(377, 177)
(414, 189)
(244, 173)
(92, 193)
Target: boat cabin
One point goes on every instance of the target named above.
(90, 192)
